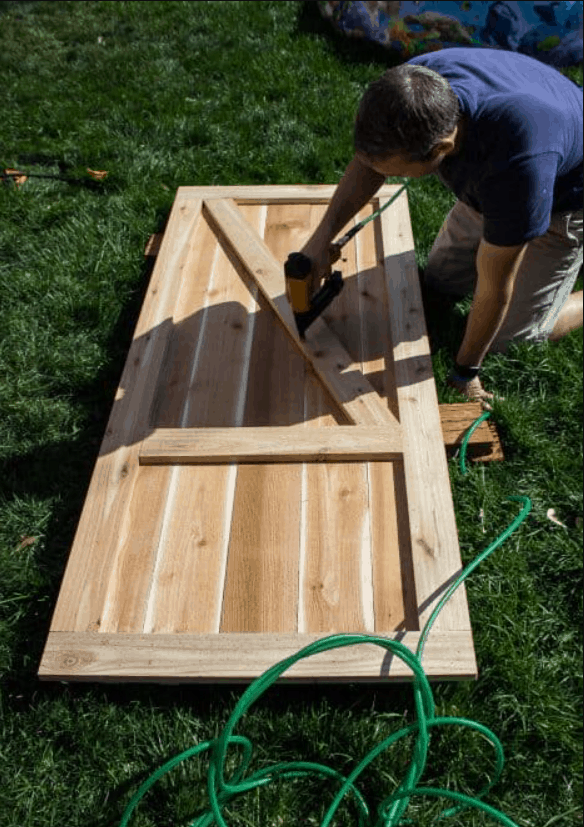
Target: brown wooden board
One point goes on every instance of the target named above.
(206, 551)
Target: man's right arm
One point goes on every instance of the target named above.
(357, 186)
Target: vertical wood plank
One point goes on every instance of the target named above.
(337, 587)
(395, 601)
(338, 549)
(360, 317)
(261, 589)
(134, 584)
(435, 549)
(102, 530)
(188, 586)
(135, 590)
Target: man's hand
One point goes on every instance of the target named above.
(322, 258)
(472, 389)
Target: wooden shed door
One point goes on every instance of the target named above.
(254, 492)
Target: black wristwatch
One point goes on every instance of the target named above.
(465, 373)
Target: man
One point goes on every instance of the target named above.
(504, 133)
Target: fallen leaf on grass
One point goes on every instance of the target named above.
(551, 515)
(97, 174)
(26, 541)
(18, 177)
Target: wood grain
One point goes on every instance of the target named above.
(261, 585)
(435, 552)
(214, 324)
(272, 444)
(244, 657)
(338, 586)
(96, 559)
(288, 194)
(484, 444)
(392, 573)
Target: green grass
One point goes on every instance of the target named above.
(174, 93)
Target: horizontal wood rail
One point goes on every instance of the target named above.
(296, 443)
(277, 444)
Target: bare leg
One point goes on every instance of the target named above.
(570, 317)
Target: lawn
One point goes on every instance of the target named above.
(159, 95)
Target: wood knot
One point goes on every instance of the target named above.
(427, 548)
(74, 660)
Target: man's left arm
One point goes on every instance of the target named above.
(497, 269)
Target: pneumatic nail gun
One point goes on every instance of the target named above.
(298, 272)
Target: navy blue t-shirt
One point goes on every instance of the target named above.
(521, 158)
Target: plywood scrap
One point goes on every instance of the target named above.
(456, 419)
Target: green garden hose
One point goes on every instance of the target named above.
(392, 810)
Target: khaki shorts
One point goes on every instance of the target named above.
(544, 282)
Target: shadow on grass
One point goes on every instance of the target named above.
(17, 5)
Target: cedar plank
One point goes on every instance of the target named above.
(435, 551)
(94, 558)
(261, 587)
(395, 600)
(171, 658)
(188, 591)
